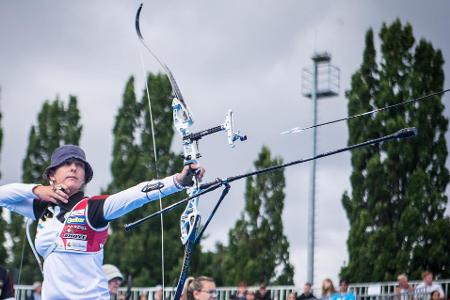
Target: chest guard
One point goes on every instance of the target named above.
(75, 235)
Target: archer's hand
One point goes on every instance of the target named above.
(185, 177)
(54, 194)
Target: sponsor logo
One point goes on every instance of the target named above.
(76, 245)
(75, 236)
(78, 212)
(79, 227)
(76, 220)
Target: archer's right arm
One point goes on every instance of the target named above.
(18, 198)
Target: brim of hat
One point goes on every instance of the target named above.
(89, 173)
(115, 275)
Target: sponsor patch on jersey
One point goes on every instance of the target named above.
(76, 245)
(78, 212)
(79, 227)
(75, 236)
(77, 220)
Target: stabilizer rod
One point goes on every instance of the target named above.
(213, 185)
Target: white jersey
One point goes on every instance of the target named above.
(74, 276)
(424, 289)
(69, 275)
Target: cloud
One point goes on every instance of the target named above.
(244, 55)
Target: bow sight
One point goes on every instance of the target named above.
(182, 119)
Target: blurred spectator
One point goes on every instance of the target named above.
(435, 295)
(343, 292)
(327, 288)
(114, 277)
(404, 290)
(262, 293)
(292, 296)
(427, 286)
(37, 290)
(307, 292)
(250, 295)
(6, 285)
(158, 293)
(241, 292)
(142, 297)
(199, 288)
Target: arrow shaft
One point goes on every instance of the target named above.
(298, 129)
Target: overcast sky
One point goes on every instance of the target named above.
(243, 55)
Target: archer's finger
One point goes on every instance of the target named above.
(52, 200)
(61, 191)
(60, 196)
(200, 172)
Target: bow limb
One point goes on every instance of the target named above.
(175, 89)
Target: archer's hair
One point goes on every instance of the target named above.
(193, 284)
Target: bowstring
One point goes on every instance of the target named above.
(21, 259)
(152, 128)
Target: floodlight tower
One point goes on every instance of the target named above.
(319, 81)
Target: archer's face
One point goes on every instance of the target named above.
(71, 174)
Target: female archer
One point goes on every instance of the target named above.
(73, 228)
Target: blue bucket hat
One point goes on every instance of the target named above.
(66, 152)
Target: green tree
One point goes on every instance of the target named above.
(56, 125)
(397, 204)
(3, 225)
(258, 250)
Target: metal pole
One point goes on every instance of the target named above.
(312, 194)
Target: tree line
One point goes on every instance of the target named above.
(396, 208)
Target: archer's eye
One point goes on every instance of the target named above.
(79, 164)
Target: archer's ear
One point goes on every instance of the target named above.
(51, 176)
